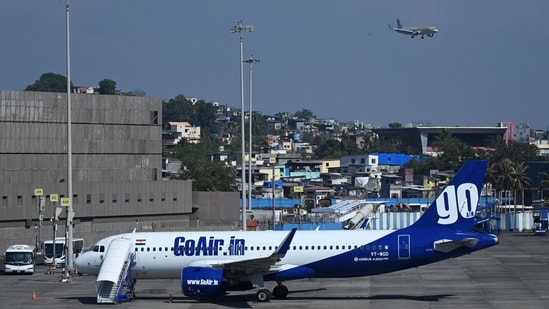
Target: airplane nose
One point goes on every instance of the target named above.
(84, 264)
(78, 261)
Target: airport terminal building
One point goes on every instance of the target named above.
(116, 167)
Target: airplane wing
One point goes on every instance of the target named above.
(247, 267)
(447, 245)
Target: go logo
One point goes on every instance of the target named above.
(454, 202)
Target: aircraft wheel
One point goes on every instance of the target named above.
(280, 291)
(263, 295)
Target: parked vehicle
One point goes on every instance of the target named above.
(19, 259)
(56, 247)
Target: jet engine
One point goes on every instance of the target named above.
(202, 281)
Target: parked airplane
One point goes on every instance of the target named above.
(211, 263)
(412, 32)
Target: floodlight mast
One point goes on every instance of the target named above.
(69, 266)
(251, 62)
(240, 29)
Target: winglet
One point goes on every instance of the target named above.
(285, 245)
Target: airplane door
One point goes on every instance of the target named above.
(403, 247)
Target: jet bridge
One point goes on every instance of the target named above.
(114, 283)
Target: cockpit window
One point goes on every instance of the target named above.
(97, 248)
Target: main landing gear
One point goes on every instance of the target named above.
(264, 295)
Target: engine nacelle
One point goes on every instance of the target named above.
(202, 281)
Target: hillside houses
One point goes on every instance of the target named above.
(285, 161)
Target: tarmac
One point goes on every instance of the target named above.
(514, 274)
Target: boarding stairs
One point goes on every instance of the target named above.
(114, 282)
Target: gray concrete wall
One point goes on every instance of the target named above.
(116, 169)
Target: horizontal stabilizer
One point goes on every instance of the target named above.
(447, 245)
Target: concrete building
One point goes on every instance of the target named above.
(116, 167)
(182, 130)
(421, 140)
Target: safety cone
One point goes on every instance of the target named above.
(170, 300)
(33, 295)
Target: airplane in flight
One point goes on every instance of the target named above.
(412, 32)
(212, 263)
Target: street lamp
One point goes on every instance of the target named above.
(240, 29)
(251, 62)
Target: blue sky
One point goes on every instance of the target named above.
(489, 62)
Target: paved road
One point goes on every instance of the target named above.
(514, 274)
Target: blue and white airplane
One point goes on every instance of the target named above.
(414, 31)
(211, 263)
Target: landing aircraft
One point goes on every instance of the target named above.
(209, 264)
(412, 32)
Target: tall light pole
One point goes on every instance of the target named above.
(251, 62)
(70, 214)
(240, 29)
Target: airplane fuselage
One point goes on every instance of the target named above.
(311, 254)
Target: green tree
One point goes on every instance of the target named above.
(395, 125)
(543, 183)
(509, 176)
(452, 152)
(334, 149)
(207, 175)
(520, 181)
(49, 82)
(304, 114)
(107, 86)
(199, 114)
(516, 152)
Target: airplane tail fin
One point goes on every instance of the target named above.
(456, 205)
(399, 25)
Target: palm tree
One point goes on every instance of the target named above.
(520, 180)
(491, 178)
(543, 183)
(505, 170)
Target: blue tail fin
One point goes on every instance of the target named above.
(455, 206)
